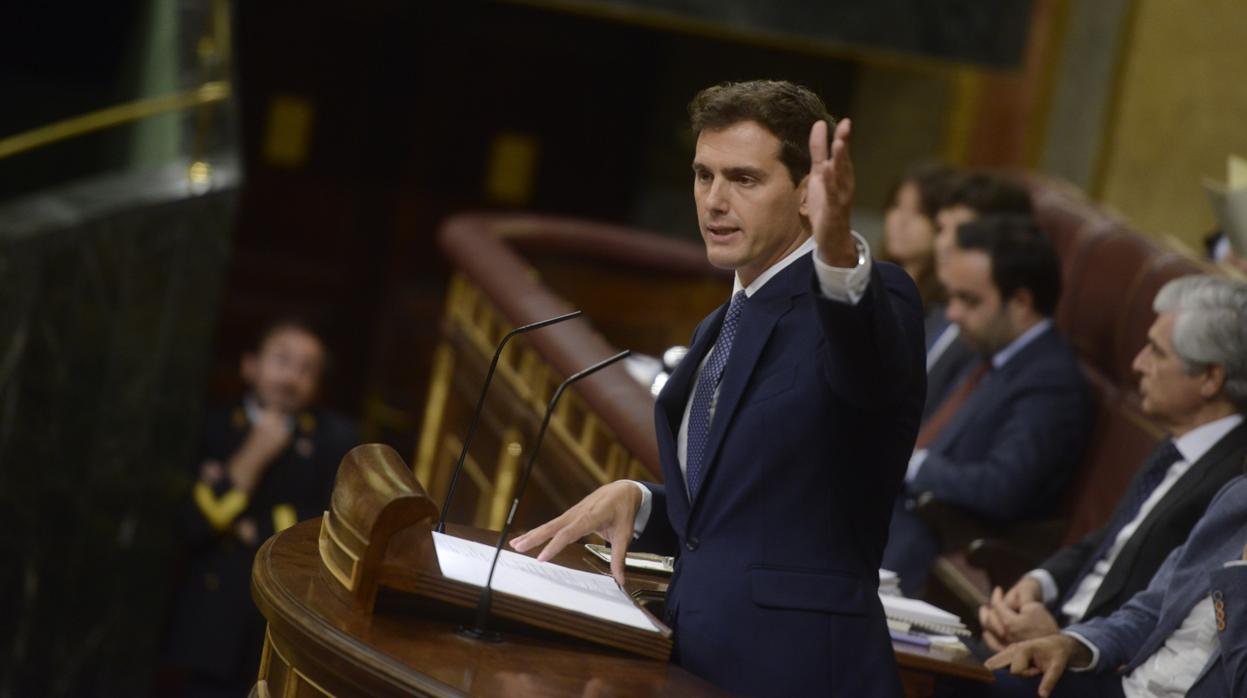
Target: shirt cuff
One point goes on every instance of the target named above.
(1236, 563)
(845, 285)
(1046, 583)
(1095, 652)
(643, 511)
(915, 464)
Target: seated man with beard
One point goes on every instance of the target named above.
(1008, 437)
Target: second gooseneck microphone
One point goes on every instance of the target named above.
(480, 403)
(479, 631)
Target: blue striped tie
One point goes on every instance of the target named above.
(704, 394)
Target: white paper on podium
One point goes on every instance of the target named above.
(594, 595)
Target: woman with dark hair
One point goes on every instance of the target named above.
(909, 233)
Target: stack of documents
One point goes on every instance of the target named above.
(905, 615)
(889, 583)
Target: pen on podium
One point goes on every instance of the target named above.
(480, 403)
(479, 631)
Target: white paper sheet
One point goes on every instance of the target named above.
(917, 610)
(594, 595)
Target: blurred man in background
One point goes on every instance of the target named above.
(266, 462)
(1004, 443)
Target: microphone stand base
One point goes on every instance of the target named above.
(479, 634)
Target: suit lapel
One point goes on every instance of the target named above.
(757, 321)
(1216, 538)
(1228, 447)
(675, 395)
(989, 391)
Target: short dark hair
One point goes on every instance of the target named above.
(1021, 256)
(987, 193)
(785, 109)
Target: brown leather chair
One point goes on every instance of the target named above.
(1111, 275)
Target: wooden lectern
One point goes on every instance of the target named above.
(354, 602)
(357, 605)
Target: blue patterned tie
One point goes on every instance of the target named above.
(1154, 472)
(704, 394)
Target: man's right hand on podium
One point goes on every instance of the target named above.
(609, 511)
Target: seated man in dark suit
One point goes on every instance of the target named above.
(265, 463)
(1184, 635)
(1003, 445)
(1193, 372)
(970, 196)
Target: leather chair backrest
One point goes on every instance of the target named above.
(1111, 275)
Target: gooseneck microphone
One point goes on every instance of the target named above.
(480, 403)
(478, 631)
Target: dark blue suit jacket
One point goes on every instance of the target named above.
(1192, 571)
(775, 587)
(1009, 451)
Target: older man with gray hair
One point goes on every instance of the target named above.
(1138, 591)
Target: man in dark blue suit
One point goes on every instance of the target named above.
(783, 434)
(1004, 444)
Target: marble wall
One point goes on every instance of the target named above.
(108, 302)
(1179, 110)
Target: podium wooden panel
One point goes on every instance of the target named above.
(318, 644)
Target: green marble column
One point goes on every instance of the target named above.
(108, 301)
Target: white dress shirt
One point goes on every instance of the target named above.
(1192, 445)
(942, 343)
(1174, 667)
(1171, 670)
(843, 284)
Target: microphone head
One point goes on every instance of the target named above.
(673, 356)
(657, 384)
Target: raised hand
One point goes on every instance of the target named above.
(609, 511)
(829, 194)
(268, 437)
(270, 433)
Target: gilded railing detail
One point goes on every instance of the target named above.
(473, 319)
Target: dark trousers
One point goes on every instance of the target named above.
(1072, 685)
(912, 547)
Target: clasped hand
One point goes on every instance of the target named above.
(1016, 615)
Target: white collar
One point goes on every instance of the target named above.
(805, 248)
(251, 406)
(1000, 358)
(1198, 441)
